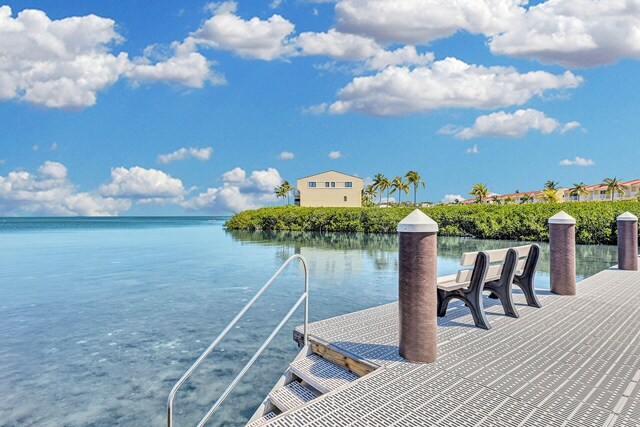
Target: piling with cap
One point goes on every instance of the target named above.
(562, 243)
(417, 287)
(627, 241)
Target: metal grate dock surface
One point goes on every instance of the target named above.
(574, 362)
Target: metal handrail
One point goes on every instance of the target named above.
(304, 297)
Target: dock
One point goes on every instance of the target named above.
(573, 362)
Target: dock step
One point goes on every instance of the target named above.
(321, 374)
(263, 420)
(292, 395)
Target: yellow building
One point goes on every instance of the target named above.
(329, 189)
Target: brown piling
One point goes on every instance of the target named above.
(417, 287)
(562, 242)
(628, 241)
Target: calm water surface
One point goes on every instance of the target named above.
(99, 317)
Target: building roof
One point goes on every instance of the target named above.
(341, 173)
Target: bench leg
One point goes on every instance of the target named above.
(526, 284)
(443, 303)
(503, 293)
(474, 302)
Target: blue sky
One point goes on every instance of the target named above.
(202, 108)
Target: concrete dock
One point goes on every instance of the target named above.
(573, 362)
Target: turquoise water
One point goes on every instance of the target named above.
(99, 317)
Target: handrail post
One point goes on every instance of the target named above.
(226, 330)
(306, 302)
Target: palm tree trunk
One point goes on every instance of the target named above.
(415, 191)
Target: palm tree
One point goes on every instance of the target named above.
(613, 186)
(279, 191)
(480, 191)
(386, 185)
(287, 188)
(551, 185)
(495, 199)
(378, 184)
(578, 190)
(550, 195)
(526, 198)
(508, 200)
(413, 177)
(398, 184)
(368, 194)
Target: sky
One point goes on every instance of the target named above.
(196, 108)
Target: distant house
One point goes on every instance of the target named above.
(596, 192)
(329, 189)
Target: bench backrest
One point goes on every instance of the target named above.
(495, 255)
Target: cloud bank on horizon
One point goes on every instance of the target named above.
(48, 191)
(386, 49)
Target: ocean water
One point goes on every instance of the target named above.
(99, 317)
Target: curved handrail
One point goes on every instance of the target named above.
(304, 297)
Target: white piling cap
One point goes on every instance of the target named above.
(417, 222)
(562, 218)
(627, 216)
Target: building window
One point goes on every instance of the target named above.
(345, 198)
(312, 184)
(326, 184)
(348, 184)
(333, 184)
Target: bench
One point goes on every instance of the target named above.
(494, 271)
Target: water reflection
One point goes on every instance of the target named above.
(382, 249)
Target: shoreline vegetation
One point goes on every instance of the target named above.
(596, 221)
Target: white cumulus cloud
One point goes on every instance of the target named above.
(238, 192)
(570, 126)
(578, 161)
(343, 46)
(473, 150)
(351, 47)
(515, 124)
(334, 154)
(422, 21)
(186, 153)
(65, 63)
(143, 185)
(49, 192)
(57, 63)
(186, 66)
(286, 155)
(448, 83)
(573, 33)
(254, 38)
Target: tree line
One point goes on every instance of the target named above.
(400, 184)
